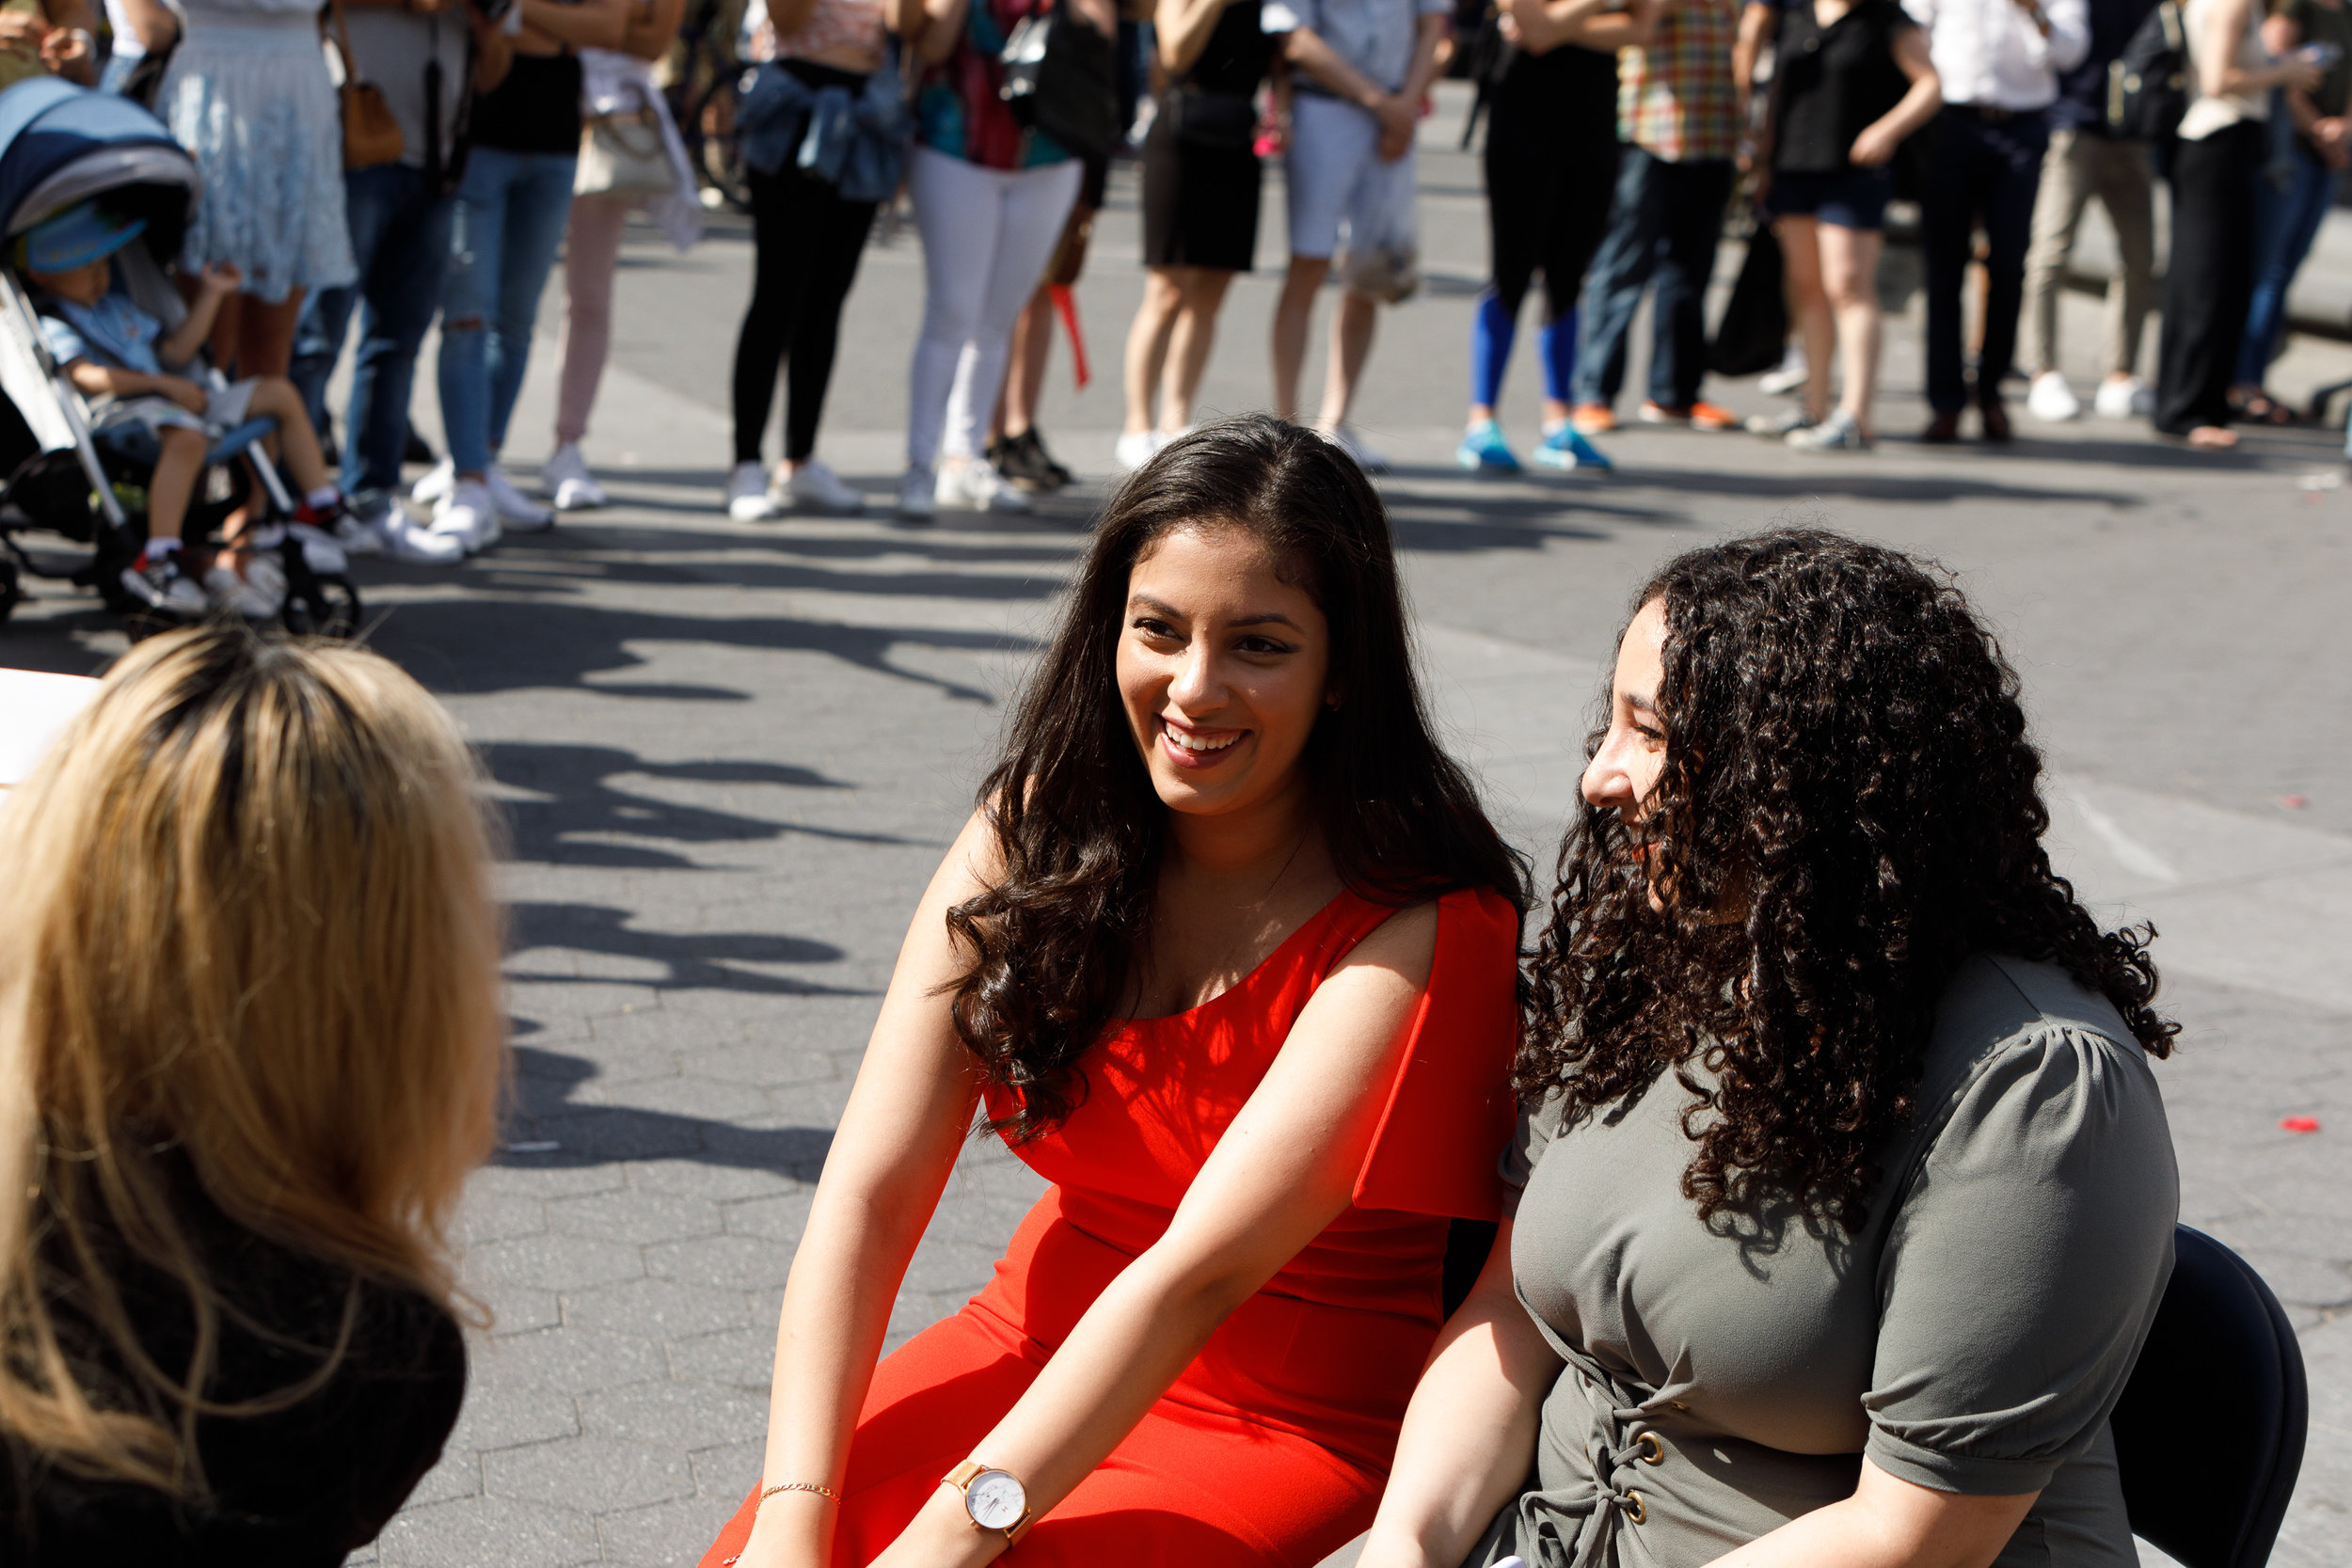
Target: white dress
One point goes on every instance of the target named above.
(247, 94)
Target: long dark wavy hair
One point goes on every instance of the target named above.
(1076, 820)
(1849, 808)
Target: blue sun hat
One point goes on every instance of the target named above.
(82, 233)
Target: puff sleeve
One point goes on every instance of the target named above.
(1450, 1109)
(2023, 1266)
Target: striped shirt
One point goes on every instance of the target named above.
(1674, 95)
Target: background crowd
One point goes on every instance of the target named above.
(1622, 139)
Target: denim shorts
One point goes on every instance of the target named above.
(1844, 199)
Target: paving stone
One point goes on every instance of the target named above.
(777, 1219)
(666, 1535)
(473, 1532)
(722, 1183)
(576, 1358)
(731, 1358)
(656, 1308)
(688, 1415)
(616, 1474)
(557, 1262)
(739, 1263)
(635, 1216)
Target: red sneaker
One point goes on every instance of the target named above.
(1708, 415)
(1593, 419)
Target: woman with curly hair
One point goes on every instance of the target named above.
(1227, 953)
(1846, 1196)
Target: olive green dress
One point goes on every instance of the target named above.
(1971, 1337)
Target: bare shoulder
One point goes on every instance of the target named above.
(1404, 944)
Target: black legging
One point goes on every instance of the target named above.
(806, 242)
(2209, 278)
(1551, 170)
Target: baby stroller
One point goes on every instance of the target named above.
(59, 145)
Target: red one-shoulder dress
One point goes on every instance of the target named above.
(1272, 1446)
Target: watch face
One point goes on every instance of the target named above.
(995, 1500)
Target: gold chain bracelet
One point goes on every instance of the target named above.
(798, 1486)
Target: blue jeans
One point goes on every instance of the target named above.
(1663, 222)
(2285, 222)
(511, 212)
(400, 239)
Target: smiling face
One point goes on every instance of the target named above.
(1223, 669)
(1625, 771)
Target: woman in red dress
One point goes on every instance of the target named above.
(1227, 954)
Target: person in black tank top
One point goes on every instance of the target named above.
(512, 209)
(1201, 186)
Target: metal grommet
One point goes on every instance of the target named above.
(1653, 1451)
(1635, 1511)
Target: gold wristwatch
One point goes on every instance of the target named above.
(992, 1499)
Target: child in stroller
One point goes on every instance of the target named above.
(115, 354)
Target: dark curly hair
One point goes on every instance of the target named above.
(1077, 821)
(1849, 808)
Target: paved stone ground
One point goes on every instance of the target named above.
(731, 755)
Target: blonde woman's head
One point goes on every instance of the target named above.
(249, 930)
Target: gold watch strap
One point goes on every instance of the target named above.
(961, 1476)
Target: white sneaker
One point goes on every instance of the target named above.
(566, 481)
(353, 532)
(814, 487)
(2127, 399)
(393, 536)
(321, 551)
(514, 509)
(468, 515)
(1348, 441)
(919, 498)
(1135, 449)
(436, 485)
(2051, 400)
(253, 598)
(975, 484)
(748, 501)
(1789, 378)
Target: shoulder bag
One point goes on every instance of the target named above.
(623, 154)
(1061, 78)
(371, 134)
(2148, 85)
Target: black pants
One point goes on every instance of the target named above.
(1551, 167)
(2209, 277)
(806, 243)
(1986, 170)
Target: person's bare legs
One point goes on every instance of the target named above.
(1032, 346)
(1188, 345)
(1147, 341)
(1292, 314)
(1849, 270)
(1801, 255)
(275, 396)
(265, 335)
(172, 485)
(1351, 345)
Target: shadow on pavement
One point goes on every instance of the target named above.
(542, 1114)
(582, 803)
(481, 644)
(691, 960)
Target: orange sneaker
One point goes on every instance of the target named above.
(1708, 415)
(1593, 419)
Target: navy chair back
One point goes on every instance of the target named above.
(2209, 1434)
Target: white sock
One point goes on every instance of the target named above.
(323, 498)
(158, 548)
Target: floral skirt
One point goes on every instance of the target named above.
(254, 103)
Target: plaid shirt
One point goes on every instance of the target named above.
(1675, 97)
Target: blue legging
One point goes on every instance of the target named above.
(1492, 331)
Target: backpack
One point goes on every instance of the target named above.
(2148, 84)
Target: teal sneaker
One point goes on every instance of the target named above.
(1564, 449)
(1484, 451)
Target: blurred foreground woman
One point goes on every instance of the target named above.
(1848, 1196)
(250, 1048)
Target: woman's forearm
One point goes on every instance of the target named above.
(1182, 28)
(1470, 1433)
(589, 24)
(1917, 107)
(1889, 1523)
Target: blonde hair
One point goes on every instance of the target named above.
(247, 925)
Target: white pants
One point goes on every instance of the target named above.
(987, 236)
